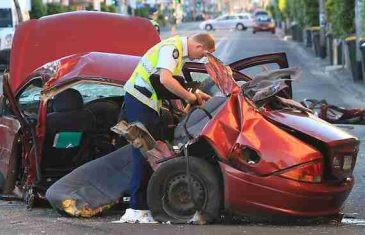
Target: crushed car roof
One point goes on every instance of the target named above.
(37, 42)
(93, 65)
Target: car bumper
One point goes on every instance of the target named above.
(269, 28)
(247, 193)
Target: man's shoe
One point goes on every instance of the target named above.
(130, 216)
(146, 218)
(136, 216)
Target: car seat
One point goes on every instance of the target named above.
(67, 129)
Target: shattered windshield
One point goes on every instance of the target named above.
(6, 18)
(92, 91)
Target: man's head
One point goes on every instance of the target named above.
(199, 45)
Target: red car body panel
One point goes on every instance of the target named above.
(9, 128)
(310, 125)
(116, 67)
(37, 42)
(259, 188)
(233, 129)
(248, 193)
(238, 125)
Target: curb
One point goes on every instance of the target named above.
(337, 74)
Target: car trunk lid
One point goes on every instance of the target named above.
(49, 38)
(338, 147)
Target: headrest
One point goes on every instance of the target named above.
(68, 100)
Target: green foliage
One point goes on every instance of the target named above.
(303, 12)
(143, 12)
(310, 12)
(38, 9)
(275, 11)
(56, 8)
(106, 8)
(341, 15)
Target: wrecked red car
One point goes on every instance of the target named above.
(243, 157)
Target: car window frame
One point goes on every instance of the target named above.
(24, 87)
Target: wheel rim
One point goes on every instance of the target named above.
(177, 202)
(208, 27)
(239, 27)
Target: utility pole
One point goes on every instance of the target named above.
(358, 24)
(18, 11)
(322, 32)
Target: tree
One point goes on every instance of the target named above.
(341, 15)
(310, 12)
(56, 8)
(38, 9)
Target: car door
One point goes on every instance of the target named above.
(221, 22)
(232, 21)
(257, 64)
(15, 128)
(9, 128)
(246, 20)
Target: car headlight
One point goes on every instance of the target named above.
(8, 41)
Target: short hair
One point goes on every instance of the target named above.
(205, 39)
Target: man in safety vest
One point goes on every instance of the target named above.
(142, 104)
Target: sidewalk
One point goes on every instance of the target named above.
(337, 75)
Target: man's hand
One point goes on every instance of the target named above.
(174, 87)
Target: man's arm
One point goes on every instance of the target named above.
(174, 86)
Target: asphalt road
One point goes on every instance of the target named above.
(231, 46)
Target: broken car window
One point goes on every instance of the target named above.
(258, 69)
(92, 91)
(28, 99)
(206, 83)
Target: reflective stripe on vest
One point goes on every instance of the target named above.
(146, 67)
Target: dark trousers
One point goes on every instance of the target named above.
(141, 170)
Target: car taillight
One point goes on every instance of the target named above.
(343, 160)
(309, 172)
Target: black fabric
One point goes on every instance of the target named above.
(97, 183)
(198, 119)
(67, 100)
(70, 119)
(161, 90)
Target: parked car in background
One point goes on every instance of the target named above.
(260, 12)
(264, 23)
(246, 18)
(237, 21)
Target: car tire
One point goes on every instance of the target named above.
(240, 27)
(208, 27)
(169, 183)
(273, 31)
(254, 31)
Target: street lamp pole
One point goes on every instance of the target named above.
(322, 33)
(358, 26)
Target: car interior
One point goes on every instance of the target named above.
(80, 117)
(79, 121)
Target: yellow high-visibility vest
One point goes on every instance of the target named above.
(147, 66)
